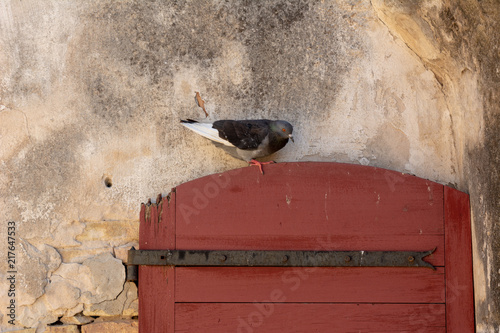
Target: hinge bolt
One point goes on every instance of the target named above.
(411, 259)
(347, 258)
(285, 258)
(223, 258)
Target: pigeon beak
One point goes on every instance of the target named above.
(291, 137)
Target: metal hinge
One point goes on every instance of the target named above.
(274, 258)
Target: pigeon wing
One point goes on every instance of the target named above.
(244, 134)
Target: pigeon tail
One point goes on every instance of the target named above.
(206, 130)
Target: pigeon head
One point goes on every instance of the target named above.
(282, 128)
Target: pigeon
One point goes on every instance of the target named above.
(245, 139)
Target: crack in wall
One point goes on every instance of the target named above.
(27, 125)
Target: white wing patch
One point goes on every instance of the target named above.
(207, 131)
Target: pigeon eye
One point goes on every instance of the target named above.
(284, 130)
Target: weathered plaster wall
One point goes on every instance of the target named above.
(91, 93)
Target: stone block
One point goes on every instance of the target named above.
(62, 329)
(76, 320)
(81, 253)
(132, 310)
(119, 325)
(78, 275)
(99, 278)
(107, 275)
(61, 294)
(73, 311)
(33, 267)
(122, 305)
(36, 314)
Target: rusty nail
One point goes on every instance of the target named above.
(285, 258)
(411, 259)
(347, 258)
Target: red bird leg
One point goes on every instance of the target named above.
(260, 164)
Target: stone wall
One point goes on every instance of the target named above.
(91, 93)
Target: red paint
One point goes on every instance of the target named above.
(309, 206)
(310, 284)
(319, 318)
(459, 284)
(157, 283)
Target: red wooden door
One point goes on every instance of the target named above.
(309, 206)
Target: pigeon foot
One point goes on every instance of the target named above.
(260, 164)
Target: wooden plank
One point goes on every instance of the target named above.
(293, 317)
(336, 196)
(156, 302)
(311, 206)
(156, 283)
(314, 284)
(458, 242)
